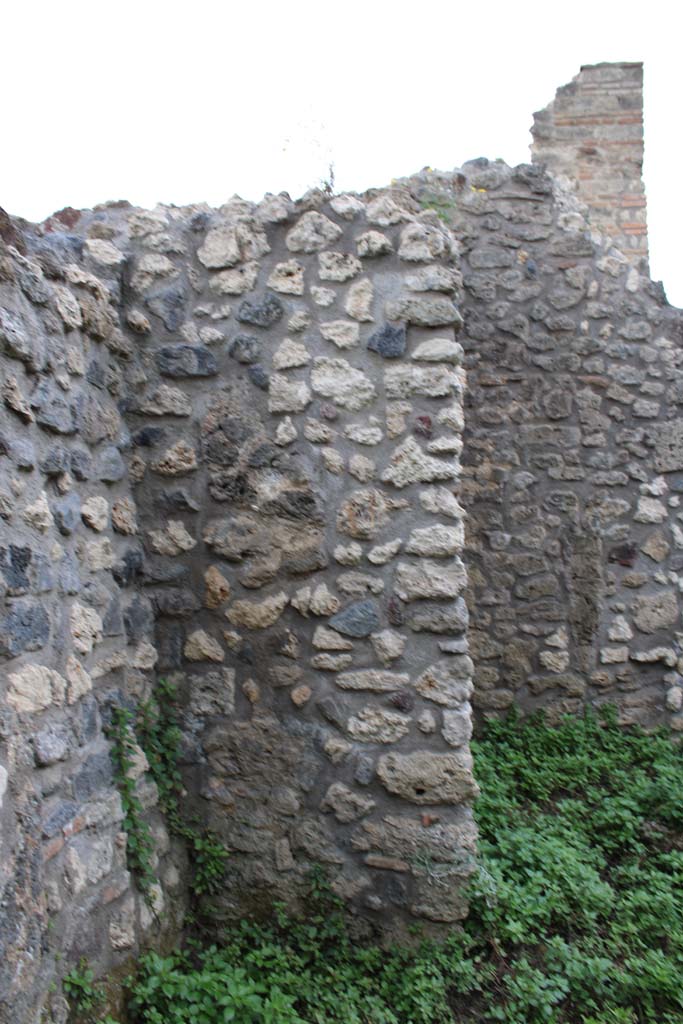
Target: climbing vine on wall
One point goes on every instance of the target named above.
(160, 737)
(140, 844)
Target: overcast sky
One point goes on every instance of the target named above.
(184, 102)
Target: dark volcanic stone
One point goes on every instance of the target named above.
(246, 653)
(395, 611)
(305, 562)
(53, 413)
(388, 341)
(245, 348)
(169, 305)
(10, 233)
(624, 554)
(14, 561)
(95, 775)
(186, 361)
(42, 572)
(56, 461)
(139, 619)
(199, 222)
(69, 579)
(404, 700)
(177, 501)
(396, 892)
(535, 177)
(23, 454)
(176, 603)
(96, 594)
(230, 486)
(296, 505)
(96, 375)
(110, 466)
(263, 456)
(364, 770)
(34, 286)
(26, 627)
(81, 464)
(18, 342)
(236, 428)
(358, 619)
(88, 726)
(163, 571)
(333, 711)
(56, 819)
(221, 451)
(129, 569)
(67, 513)
(112, 619)
(170, 647)
(263, 313)
(56, 249)
(147, 436)
(259, 377)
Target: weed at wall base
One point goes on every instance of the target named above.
(576, 910)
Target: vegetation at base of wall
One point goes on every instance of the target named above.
(139, 844)
(160, 738)
(81, 989)
(576, 912)
(85, 995)
(157, 730)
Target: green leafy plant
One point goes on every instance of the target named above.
(140, 845)
(576, 910)
(441, 203)
(81, 990)
(160, 737)
(157, 730)
(208, 856)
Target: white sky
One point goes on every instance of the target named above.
(184, 102)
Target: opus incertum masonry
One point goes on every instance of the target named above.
(348, 472)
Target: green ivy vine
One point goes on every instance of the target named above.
(156, 729)
(140, 844)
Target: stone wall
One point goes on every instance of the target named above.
(297, 440)
(74, 636)
(573, 453)
(592, 134)
(274, 453)
(231, 445)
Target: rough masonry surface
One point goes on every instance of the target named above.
(342, 470)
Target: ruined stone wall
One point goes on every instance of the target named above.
(230, 450)
(74, 637)
(592, 134)
(573, 453)
(299, 436)
(280, 454)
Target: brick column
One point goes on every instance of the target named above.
(592, 132)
